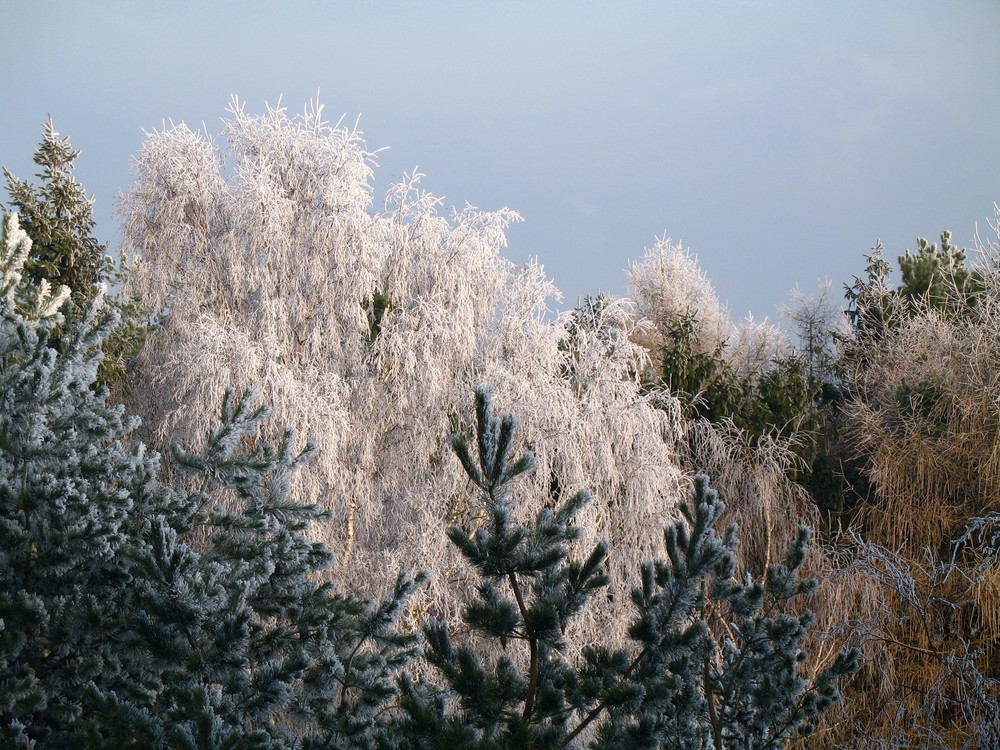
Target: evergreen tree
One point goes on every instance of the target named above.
(932, 278)
(68, 490)
(871, 303)
(57, 215)
(716, 662)
(784, 401)
(135, 615)
(238, 634)
(780, 399)
(939, 274)
(702, 380)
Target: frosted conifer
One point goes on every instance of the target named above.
(135, 615)
(68, 492)
(715, 663)
(57, 215)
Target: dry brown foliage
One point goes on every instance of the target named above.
(925, 417)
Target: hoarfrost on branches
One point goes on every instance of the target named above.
(754, 347)
(667, 285)
(37, 302)
(816, 322)
(367, 331)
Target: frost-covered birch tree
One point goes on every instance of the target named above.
(366, 328)
(668, 285)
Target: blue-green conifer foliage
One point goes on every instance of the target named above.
(136, 615)
(716, 663)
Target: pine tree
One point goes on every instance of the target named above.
(67, 491)
(238, 634)
(940, 274)
(715, 662)
(58, 217)
(136, 615)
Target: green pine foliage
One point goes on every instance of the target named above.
(786, 399)
(376, 309)
(703, 381)
(715, 664)
(789, 399)
(781, 399)
(938, 274)
(871, 303)
(933, 278)
(68, 490)
(57, 215)
(135, 615)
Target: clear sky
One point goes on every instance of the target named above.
(778, 140)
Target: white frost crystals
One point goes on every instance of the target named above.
(667, 285)
(30, 300)
(367, 332)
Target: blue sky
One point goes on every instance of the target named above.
(778, 140)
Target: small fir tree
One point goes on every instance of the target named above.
(716, 662)
(58, 217)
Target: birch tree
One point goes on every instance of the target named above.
(668, 285)
(366, 328)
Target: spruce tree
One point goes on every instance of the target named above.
(58, 217)
(715, 663)
(68, 492)
(136, 615)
